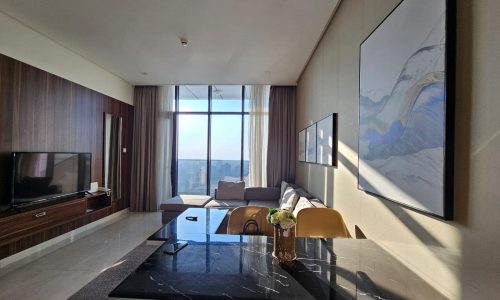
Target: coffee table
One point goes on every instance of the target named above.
(192, 220)
(220, 266)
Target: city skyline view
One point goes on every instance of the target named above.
(192, 174)
(225, 120)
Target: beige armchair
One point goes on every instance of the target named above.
(320, 223)
(239, 216)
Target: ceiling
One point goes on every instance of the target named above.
(230, 41)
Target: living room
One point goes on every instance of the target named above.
(144, 147)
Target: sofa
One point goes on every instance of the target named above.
(253, 196)
(268, 197)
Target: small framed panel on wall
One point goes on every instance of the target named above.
(302, 146)
(311, 144)
(326, 141)
(406, 107)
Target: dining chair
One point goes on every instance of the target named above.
(321, 223)
(249, 215)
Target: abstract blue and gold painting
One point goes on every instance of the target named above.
(402, 107)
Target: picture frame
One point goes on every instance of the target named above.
(311, 144)
(301, 151)
(406, 107)
(327, 141)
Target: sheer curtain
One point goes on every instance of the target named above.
(164, 142)
(258, 135)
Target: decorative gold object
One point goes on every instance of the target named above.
(284, 244)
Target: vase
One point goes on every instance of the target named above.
(284, 244)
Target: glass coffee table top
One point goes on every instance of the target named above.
(192, 220)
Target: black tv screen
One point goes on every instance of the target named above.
(45, 176)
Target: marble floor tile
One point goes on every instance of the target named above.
(28, 283)
(59, 274)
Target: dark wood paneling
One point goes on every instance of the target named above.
(40, 111)
(6, 95)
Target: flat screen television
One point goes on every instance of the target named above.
(43, 176)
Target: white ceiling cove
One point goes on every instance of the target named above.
(230, 41)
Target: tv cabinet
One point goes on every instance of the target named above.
(26, 229)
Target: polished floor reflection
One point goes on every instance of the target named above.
(61, 273)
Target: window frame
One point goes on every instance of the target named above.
(209, 113)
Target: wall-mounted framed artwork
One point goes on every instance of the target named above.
(302, 146)
(326, 141)
(406, 107)
(311, 144)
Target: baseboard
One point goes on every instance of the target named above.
(26, 256)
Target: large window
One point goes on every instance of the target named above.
(212, 142)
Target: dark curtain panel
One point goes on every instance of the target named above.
(143, 189)
(281, 140)
(114, 169)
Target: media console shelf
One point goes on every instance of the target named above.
(26, 229)
(97, 201)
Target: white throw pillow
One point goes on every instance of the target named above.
(289, 199)
(284, 185)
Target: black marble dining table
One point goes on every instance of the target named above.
(219, 266)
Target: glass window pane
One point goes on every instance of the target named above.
(193, 98)
(225, 149)
(192, 154)
(247, 98)
(245, 151)
(226, 98)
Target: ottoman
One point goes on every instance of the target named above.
(175, 206)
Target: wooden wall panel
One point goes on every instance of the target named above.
(44, 112)
(6, 94)
(40, 111)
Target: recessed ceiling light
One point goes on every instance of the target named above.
(184, 42)
(144, 73)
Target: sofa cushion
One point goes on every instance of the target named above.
(301, 204)
(289, 199)
(226, 203)
(182, 202)
(303, 193)
(264, 203)
(260, 193)
(317, 203)
(227, 190)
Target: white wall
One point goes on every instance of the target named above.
(23, 43)
(460, 259)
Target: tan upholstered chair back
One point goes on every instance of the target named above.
(240, 215)
(321, 222)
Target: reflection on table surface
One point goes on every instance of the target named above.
(192, 220)
(241, 267)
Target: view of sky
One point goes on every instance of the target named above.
(226, 129)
